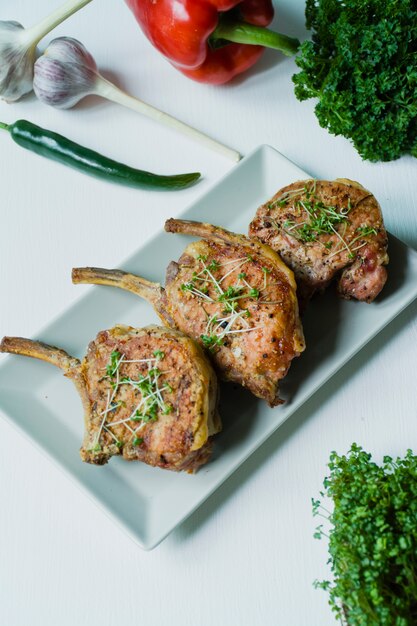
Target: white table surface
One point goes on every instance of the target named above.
(247, 556)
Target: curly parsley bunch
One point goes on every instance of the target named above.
(372, 539)
(362, 66)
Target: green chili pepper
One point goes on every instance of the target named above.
(58, 148)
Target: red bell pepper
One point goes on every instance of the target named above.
(210, 41)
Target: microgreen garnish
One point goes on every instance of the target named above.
(213, 265)
(232, 317)
(265, 271)
(319, 219)
(118, 443)
(364, 231)
(285, 198)
(210, 341)
(229, 296)
(113, 363)
(150, 392)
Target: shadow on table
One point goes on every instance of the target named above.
(291, 426)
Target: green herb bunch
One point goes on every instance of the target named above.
(372, 539)
(362, 66)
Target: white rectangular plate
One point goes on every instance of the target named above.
(149, 503)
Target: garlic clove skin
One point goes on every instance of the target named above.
(70, 50)
(61, 85)
(17, 57)
(65, 74)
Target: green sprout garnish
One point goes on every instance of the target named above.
(322, 219)
(218, 326)
(213, 266)
(150, 390)
(364, 231)
(318, 219)
(210, 341)
(111, 367)
(230, 294)
(265, 271)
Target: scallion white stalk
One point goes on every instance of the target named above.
(67, 73)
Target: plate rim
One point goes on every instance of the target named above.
(149, 542)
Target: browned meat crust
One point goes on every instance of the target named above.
(233, 295)
(324, 230)
(238, 299)
(148, 394)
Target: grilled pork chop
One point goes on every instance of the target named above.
(233, 295)
(324, 230)
(148, 394)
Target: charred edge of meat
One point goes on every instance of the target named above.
(209, 232)
(259, 363)
(352, 252)
(201, 416)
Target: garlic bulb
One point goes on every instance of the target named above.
(18, 50)
(16, 61)
(67, 73)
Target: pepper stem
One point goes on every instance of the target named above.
(241, 32)
(106, 89)
(38, 32)
(4, 126)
